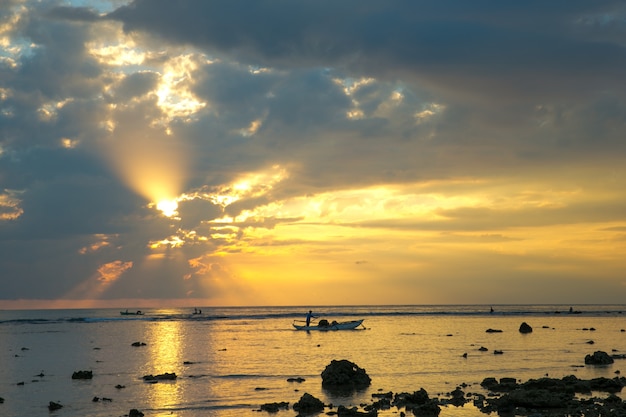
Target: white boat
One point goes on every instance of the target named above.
(325, 325)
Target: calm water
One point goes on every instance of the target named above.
(229, 361)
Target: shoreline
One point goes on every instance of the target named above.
(547, 397)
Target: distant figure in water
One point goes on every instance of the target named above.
(309, 316)
(571, 310)
(491, 309)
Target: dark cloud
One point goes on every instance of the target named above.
(497, 51)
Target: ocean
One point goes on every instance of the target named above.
(230, 361)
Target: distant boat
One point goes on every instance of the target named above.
(131, 313)
(325, 325)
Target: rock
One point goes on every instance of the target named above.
(606, 385)
(504, 385)
(52, 406)
(298, 379)
(275, 407)
(598, 358)
(137, 344)
(343, 411)
(308, 404)
(161, 377)
(536, 398)
(135, 413)
(525, 328)
(493, 331)
(418, 402)
(344, 375)
(1, 400)
(458, 397)
(82, 375)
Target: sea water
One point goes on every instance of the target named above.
(230, 361)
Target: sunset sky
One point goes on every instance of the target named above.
(300, 152)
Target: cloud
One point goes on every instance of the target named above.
(371, 140)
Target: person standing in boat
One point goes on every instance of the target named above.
(309, 316)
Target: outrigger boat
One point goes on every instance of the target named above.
(325, 325)
(131, 313)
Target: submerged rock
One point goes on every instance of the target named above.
(275, 407)
(343, 411)
(82, 375)
(52, 406)
(525, 328)
(598, 358)
(418, 402)
(161, 377)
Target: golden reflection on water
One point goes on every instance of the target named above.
(165, 356)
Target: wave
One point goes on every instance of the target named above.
(244, 314)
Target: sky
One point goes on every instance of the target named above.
(225, 153)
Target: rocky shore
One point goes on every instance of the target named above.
(543, 397)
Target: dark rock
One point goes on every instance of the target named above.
(1, 400)
(343, 411)
(536, 399)
(82, 375)
(298, 379)
(525, 328)
(383, 395)
(418, 402)
(504, 385)
(161, 377)
(135, 413)
(598, 358)
(52, 406)
(137, 344)
(483, 349)
(344, 375)
(458, 397)
(606, 385)
(118, 386)
(489, 383)
(308, 404)
(498, 352)
(275, 407)
(493, 331)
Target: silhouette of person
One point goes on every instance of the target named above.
(309, 316)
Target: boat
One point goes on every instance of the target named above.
(131, 313)
(325, 325)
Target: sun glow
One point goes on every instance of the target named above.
(168, 207)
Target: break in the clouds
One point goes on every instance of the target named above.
(312, 152)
